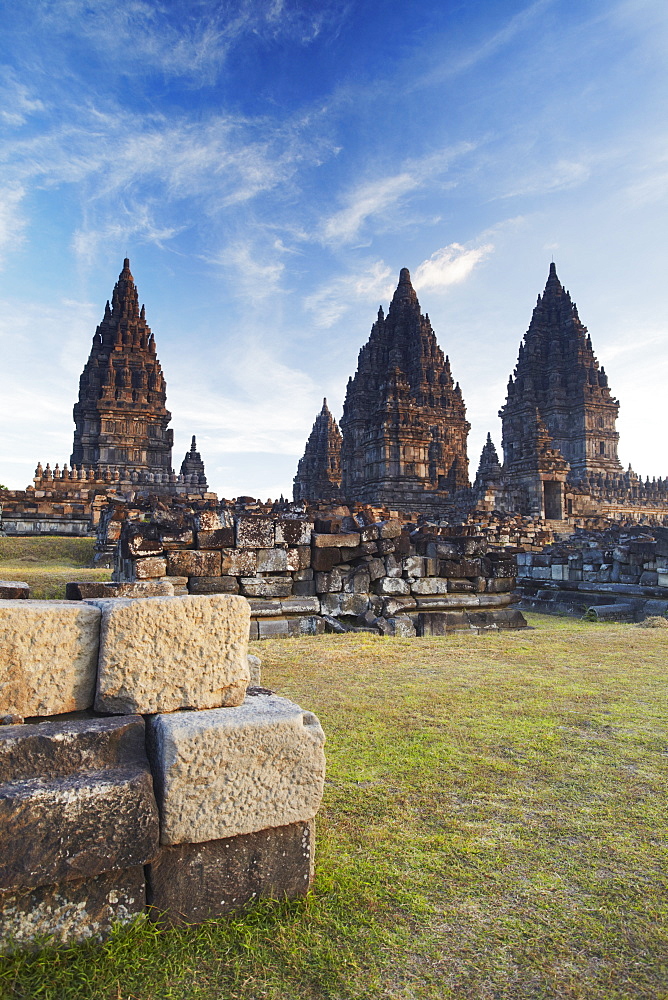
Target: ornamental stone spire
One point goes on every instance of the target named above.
(121, 420)
(192, 465)
(404, 420)
(557, 374)
(319, 470)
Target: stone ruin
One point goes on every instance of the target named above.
(170, 784)
(304, 572)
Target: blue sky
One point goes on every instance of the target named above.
(269, 166)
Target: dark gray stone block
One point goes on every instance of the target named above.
(70, 912)
(190, 883)
(213, 584)
(76, 799)
(14, 590)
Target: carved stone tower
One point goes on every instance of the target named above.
(319, 471)
(192, 465)
(121, 418)
(557, 374)
(404, 420)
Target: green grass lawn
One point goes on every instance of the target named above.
(48, 562)
(494, 826)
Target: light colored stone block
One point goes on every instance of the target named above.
(236, 770)
(430, 585)
(238, 562)
(350, 539)
(255, 670)
(293, 532)
(48, 656)
(390, 586)
(166, 653)
(150, 568)
(271, 561)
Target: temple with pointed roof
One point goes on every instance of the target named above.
(404, 421)
(192, 466)
(319, 470)
(121, 418)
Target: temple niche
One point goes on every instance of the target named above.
(404, 421)
(121, 419)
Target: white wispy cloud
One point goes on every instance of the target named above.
(333, 299)
(451, 265)
(136, 224)
(17, 101)
(374, 198)
(12, 220)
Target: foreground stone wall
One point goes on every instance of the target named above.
(171, 784)
(306, 575)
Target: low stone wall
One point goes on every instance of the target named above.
(139, 768)
(624, 567)
(305, 576)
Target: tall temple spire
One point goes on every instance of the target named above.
(404, 424)
(319, 470)
(558, 374)
(121, 419)
(192, 465)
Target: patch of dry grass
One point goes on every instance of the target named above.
(48, 562)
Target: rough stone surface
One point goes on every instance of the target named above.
(193, 563)
(300, 606)
(254, 669)
(255, 532)
(293, 532)
(70, 912)
(272, 560)
(220, 538)
(213, 585)
(429, 585)
(344, 604)
(150, 568)
(278, 586)
(76, 799)
(82, 590)
(14, 590)
(48, 657)
(190, 883)
(343, 540)
(238, 562)
(236, 770)
(162, 654)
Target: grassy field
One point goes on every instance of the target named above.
(494, 827)
(47, 563)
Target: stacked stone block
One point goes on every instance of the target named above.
(306, 575)
(141, 770)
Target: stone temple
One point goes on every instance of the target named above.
(404, 427)
(122, 435)
(319, 471)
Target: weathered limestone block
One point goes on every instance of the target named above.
(164, 653)
(219, 538)
(304, 588)
(76, 799)
(272, 560)
(48, 657)
(430, 585)
(442, 622)
(390, 529)
(398, 605)
(416, 565)
(386, 545)
(193, 562)
(83, 590)
(390, 586)
(300, 606)
(307, 625)
(260, 608)
(236, 770)
(142, 540)
(357, 581)
(209, 520)
(349, 539)
(344, 604)
(254, 669)
(179, 583)
(376, 568)
(445, 602)
(276, 586)
(70, 912)
(149, 568)
(463, 586)
(330, 583)
(370, 533)
(190, 883)
(293, 532)
(393, 566)
(324, 560)
(177, 539)
(501, 618)
(213, 585)
(299, 559)
(272, 628)
(255, 533)
(500, 585)
(401, 626)
(238, 562)
(14, 590)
